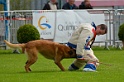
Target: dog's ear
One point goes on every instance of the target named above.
(72, 51)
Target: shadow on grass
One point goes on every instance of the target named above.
(50, 71)
(24, 72)
(9, 51)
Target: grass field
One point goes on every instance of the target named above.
(44, 70)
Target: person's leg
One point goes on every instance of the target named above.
(77, 64)
(92, 62)
(90, 67)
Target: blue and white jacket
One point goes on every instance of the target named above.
(82, 37)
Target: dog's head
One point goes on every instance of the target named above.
(66, 51)
(72, 53)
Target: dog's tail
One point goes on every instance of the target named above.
(15, 46)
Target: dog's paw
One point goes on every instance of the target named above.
(27, 69)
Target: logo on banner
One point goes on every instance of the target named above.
(43, 25)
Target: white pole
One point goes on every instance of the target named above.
(8, 5)
(8, 22)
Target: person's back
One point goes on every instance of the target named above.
(85, 5)
(70, 5)
(76, 34)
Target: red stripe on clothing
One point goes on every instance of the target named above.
(94, 32)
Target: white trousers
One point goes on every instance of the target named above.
(87, 57)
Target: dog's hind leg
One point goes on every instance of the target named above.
(32, 58)
(28, 68)
(29, 63)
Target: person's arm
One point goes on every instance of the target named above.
(84, 41)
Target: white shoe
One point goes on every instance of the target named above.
(88, 70)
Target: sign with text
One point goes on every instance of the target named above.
(59, 25)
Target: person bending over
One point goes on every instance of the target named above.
(81, 40)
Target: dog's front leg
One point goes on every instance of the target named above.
(60, 66)
(58, 63)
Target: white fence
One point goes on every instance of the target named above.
(11, 23)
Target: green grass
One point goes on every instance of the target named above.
(44, 70)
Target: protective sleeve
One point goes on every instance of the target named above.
(84, 41)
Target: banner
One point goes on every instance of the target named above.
(68, 21)
(64, 22)
(45, 23)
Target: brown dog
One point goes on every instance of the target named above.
(48, 49)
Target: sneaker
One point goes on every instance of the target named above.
(72, 67)
(88, 70)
